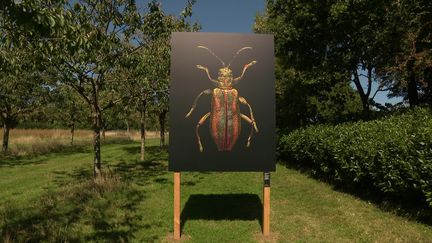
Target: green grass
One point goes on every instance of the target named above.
(51, 198)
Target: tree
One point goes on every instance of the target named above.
(310, 65)
(140, 69)
(407, 70)
(160, 56)
(304, 98)
(67, 109)
(86, 54)
(20, 91)
(339, 41)
(149, 68)
(21, 87)
(162, 122)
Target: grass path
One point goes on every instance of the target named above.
(216, 207)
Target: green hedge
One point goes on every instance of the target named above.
(391, 155)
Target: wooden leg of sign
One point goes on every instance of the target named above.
(266, 205)
(266, 211)
(177, 205)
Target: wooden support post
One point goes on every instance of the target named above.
(266, 204)
(177, 205)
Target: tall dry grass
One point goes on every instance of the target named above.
(134, 135)
(41, 141)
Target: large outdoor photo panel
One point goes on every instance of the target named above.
(222, 102)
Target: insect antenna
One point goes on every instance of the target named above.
(208, 49)
(238, 52)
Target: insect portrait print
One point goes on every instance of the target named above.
(222, 102)
(225, 115)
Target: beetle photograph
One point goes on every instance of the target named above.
(222, 102)
(225, 115)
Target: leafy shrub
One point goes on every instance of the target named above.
(391, 155)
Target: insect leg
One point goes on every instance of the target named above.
(244, 102)
(214, 81)
(207, 91)
(236, 80)
(201, 121)
(248, 120)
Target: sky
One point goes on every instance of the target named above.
(235, 16)
(220, 16)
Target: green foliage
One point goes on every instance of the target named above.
(391, 155)
(147, 69)
(31, 19)
(340, 103)
(409, 61)
(21, 90)
(357, 41)
(316, 58)
(63, 109)
(304, 98)
(21, 65)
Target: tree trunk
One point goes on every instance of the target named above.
(72, 119)
(142, 124)
(5, 136)
(428, 89)
(412, 91)
(429, 93)
(97, 120)
(127, 129)
(162, 117)
(103, 132)
(72, 133)
(363, 96)
(412, 85)
(156, 130)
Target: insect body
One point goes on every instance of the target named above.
(225, 116)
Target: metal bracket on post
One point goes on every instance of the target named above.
(267, 179)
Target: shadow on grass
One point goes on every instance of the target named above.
(412, 209)
(154, 151)
(222, 207)
(141, 172)
(136, 171)
(63, 178)
(104, 210)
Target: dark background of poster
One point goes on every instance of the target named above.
(257, 87)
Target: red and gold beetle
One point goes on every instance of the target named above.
(225, 116)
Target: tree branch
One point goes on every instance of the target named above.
(369, 79)
(112, 103)
(78, 87)
(379, 90)
(358, 84)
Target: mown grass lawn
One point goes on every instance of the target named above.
(51, 198)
